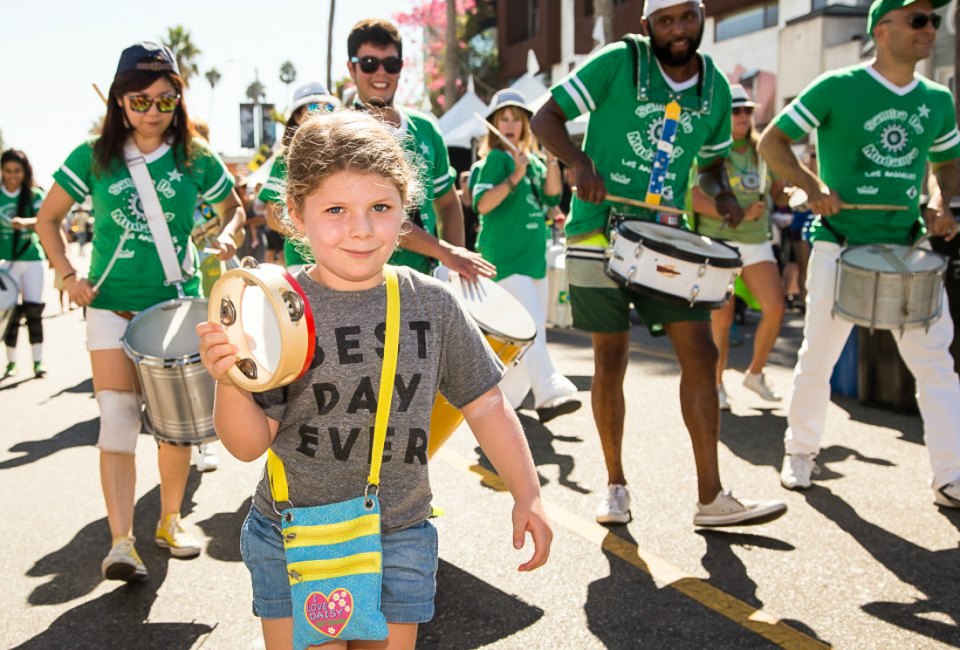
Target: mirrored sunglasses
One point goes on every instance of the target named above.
(142, 103)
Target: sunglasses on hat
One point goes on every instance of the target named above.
(142, 103)
(737, 110)
(370, 64)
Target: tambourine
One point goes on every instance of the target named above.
(265, 313)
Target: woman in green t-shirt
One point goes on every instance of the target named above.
(512, 192)
(21, 255)
(146, 113)
(755, 189)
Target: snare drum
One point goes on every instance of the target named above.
(507, 327)
(176, 388)
(672, 264)
(265, 313)
(889, 287)
(9, 294)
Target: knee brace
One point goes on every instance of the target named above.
(119, 421)
(13, 327)
(33, 311)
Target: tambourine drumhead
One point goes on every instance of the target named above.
(681, 243)
(265, 313)
(165, 333)
(495, 310)
(877, 258)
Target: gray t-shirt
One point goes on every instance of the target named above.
(327, 417)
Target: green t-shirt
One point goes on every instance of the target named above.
(743, 170)
(626, 120)
(19, 245)
(429, 155)
(513, 235)
(873, 143)
(136, 281)
(273, 192)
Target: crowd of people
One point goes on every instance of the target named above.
(362, 204)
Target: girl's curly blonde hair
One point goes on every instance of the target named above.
(344, 141)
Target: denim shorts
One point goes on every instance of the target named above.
(409, 570)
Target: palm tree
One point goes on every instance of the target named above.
(213, 78)
(333, 8)
(288, 74)
(256, 92)
(181, 44)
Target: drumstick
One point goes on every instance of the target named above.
(613, 198)
(116, 253)
(799, 197)
(497, 133)
(97, 89)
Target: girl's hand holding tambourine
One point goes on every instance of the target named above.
(217, 353)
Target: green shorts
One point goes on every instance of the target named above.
(602, 306)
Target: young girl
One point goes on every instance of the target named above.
(21, 254)
(511, 193)
(348, 186)
(752, 239)
(145, 110)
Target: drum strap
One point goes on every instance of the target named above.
(137, 165)
(388, 372)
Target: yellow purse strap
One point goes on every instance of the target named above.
(275, 471)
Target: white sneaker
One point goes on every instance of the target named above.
(722, 398)
(948, 495)
(205, 458)
(758, 384)
(615, 507)
(123, 562)
(797, 469)
(727, 510)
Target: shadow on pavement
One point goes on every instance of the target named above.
(75, 568)
(910, 427)
(757, 439)
(223, 529)
(472, 613)
(935, 574)
(727, 571)
(80, 434)
(85, 386)
(541, 440)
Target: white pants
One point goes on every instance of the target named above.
(536, 369)
(29, 277)
(925, 353)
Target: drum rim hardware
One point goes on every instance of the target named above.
(625, 229)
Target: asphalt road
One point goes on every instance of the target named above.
(863, 560)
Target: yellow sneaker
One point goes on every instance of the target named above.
(123, 563)
(172, 536)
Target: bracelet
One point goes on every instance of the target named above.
(68, 275)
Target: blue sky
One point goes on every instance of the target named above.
(52, 50)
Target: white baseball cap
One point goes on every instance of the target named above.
(313, 93)
(651, 7)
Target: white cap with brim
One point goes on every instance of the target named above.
(739, 97)
(312, 93)
(651, 7)
(507, 97)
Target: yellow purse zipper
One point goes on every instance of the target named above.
(325, 569)
(343, 531)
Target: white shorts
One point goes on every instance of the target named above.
(754, 253)
(104, 329)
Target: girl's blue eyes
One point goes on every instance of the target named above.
(378, 207)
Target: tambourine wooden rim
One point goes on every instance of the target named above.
(290, 307)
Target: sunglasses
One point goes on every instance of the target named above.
(142, 103)
(738, 110)
(920, 20)
(370, 64)
(316, 107)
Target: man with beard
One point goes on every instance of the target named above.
(375, 52)
(877, 125)
(626, 88)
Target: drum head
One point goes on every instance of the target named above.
(491, 306)
(167, 330)
(261, 328)
(8, 290)
(680, 243)
(885, 258)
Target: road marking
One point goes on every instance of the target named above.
(663, 573)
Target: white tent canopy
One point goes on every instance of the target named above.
(462, 111)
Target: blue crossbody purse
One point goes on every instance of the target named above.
(333, 552)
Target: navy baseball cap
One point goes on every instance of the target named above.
(148, 56)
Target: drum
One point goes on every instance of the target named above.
(265, 313)
(889, 287)
(672, 264)
(559, 310)
(177, 390)
(507, 327)
(9, 294)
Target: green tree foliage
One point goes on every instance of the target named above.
(184, 50)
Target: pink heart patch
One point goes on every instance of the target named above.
(329, 615)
